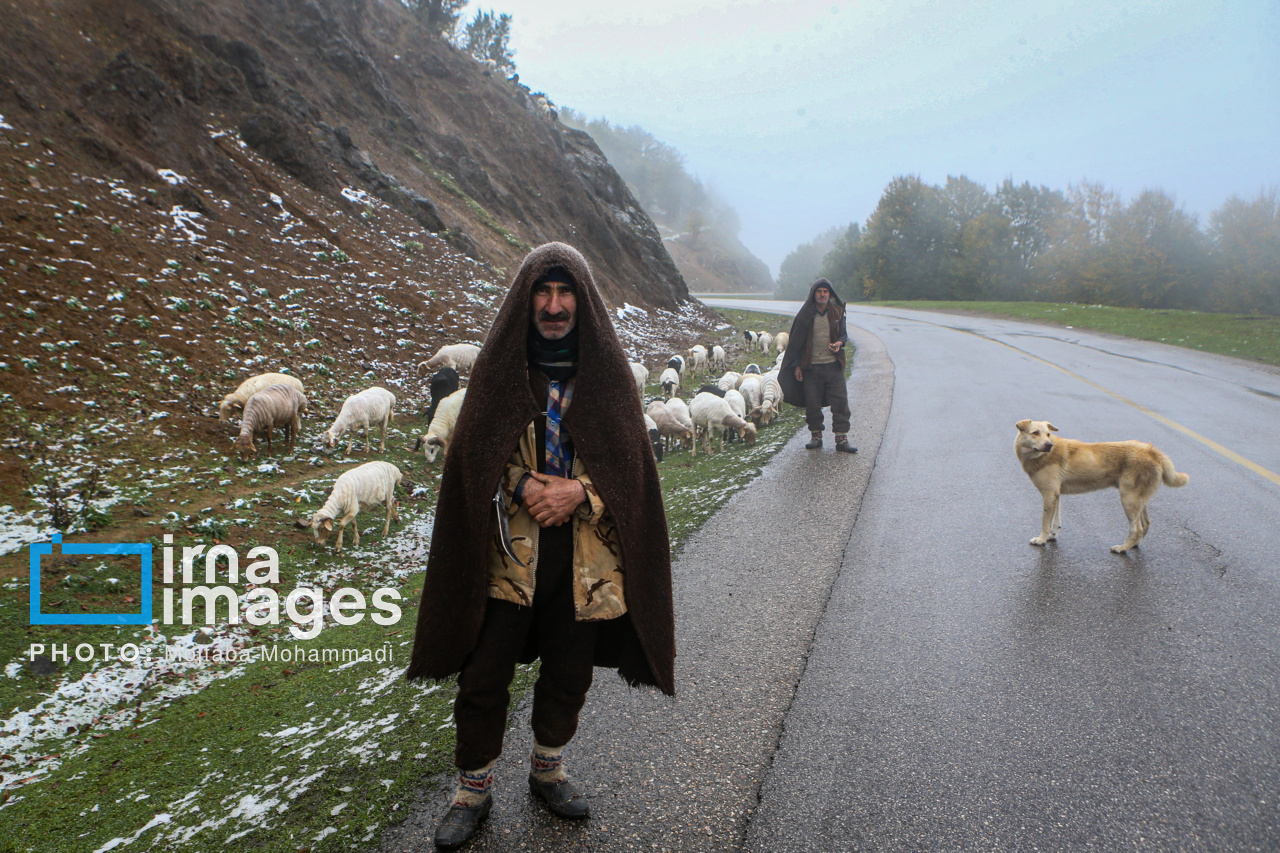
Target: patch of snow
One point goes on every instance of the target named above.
(171, 177)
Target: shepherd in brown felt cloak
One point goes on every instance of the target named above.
(551, 436)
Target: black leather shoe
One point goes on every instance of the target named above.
(460, 823)
(814, 444)
(845, 447)
(562, 798)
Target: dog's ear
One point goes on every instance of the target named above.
(1023, 424)
(1051, 427)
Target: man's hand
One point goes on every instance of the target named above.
(835, 346)
(552, 500)
(799, 374)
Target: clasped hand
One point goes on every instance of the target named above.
(552, 500)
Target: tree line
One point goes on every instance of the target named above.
(959, 241)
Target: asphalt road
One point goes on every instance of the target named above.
(872, 656)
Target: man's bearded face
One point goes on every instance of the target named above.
(555, 309)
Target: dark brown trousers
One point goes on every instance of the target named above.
(824, 386)
(566, 648)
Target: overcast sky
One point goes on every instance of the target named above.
(799, 113)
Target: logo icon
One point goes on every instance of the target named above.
(142, 549)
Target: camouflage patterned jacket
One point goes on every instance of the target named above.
(597, 549)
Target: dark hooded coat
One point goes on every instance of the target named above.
(607, 427)
(797, 352)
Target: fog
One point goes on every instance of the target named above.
(800, 113)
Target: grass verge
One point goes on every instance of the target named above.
(1249, 336)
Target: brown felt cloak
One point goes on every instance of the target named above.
(607, 427)
(797, 352)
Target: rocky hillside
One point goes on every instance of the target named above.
(714, 262)
(191, 192)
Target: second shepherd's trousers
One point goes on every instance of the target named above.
(824, 385)
(565, 646)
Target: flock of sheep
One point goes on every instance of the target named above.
(737, 404)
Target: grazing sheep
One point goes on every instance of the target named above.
(670, 382)
(442, 383)
(676, 362)
(781, 340)
(708, 388)
(698, 353)
(641, 374)
(440, 430)
(458, 356)
(729, 380)
(766, 341)
(233, 404)
(752, 389)
(655, 437)
(770, 401)
(751, 340)
(363, 487)
(371, 406)
(668, 427)
(736, 402)
(712, 416)
(751, 368)
(777, 362)
(275, 406)
(718, 360)
(680, 411)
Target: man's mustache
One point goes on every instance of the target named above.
(560, 317)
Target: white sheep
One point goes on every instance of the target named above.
(680, 411)
(770, 400)
(729, 380)
(460, 357)
(751, 340)
(718, 359)
(736, 402)
(698, 353)
(440, 430)
(641, 374)
(781, 340)
(234, 403)
(363, 487)
(712, 416)
(668, 427)
(275, 406)
(752, 390)
(766, 341)
(370, 407)
(670, 382)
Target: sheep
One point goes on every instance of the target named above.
(276, 405)
(709, 388)
(698, 353)
(460, 357)
(736, 402)
(751, 368)
(770, 401)
(713, 416)
(676, 362)
(440, 430)
(777, 362)
(641, 374)
(751, 340)
(752, 390)
(680, 411)
(781, 340)
(766, 341)
(670, 382)
(234, 403)
(655, 437)
(371, 406)
(363, 487)
(442, 383)
(718, 359)
(729, 380)
(667, 425)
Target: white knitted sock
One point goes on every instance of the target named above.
(546, 763)
(474, 785)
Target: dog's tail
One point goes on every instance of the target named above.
(1169, 475)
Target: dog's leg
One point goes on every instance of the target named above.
(1047, 517)
(1057, 519)
(1134, 507)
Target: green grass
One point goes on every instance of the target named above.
(1250, 336)
(274, 755)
